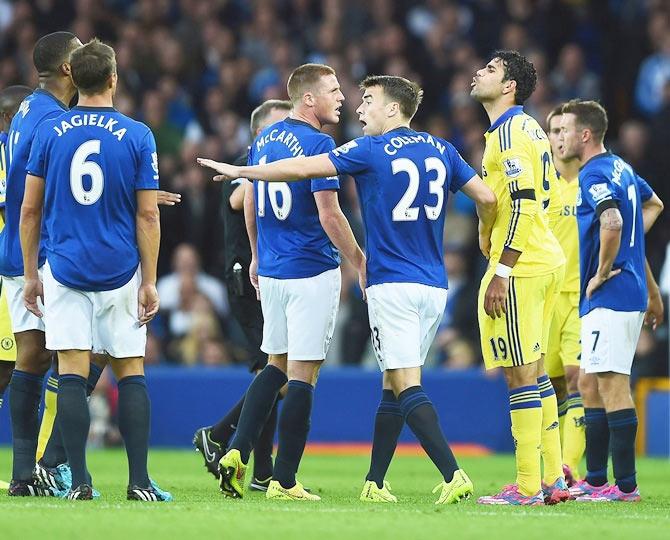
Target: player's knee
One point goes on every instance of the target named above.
(31, 356)
(305, 371)
(6, 369)
(615, 391)
(279, 361)
(127, 367)
(572, 380)
(588, 388)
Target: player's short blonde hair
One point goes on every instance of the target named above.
(92, 65)
(264, 109)
(305, 78)
(406, 93)
(589, 115)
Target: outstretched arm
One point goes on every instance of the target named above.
(283, 170)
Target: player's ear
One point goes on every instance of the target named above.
(509, 86)
(66, 69)
(308, 99)
(392, 109)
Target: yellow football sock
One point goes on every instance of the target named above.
(551, 435)
(526, 415)
(574, 436)
(48, 417)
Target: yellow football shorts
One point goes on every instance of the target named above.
(564, 335)
(7, 342)
(521, 335)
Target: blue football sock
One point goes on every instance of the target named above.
(74, 421)
(134, 425)
(421, 417)
(597, 446)
(623, 429)
(260, 398)
(25, 394)
(388, 425)
(294, 423)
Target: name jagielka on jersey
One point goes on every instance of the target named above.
(90, 119)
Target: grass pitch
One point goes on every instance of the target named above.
(199, 509)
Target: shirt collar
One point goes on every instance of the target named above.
(512, 111)
(49, 94)
(607, 153)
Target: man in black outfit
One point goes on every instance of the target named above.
(212, 441)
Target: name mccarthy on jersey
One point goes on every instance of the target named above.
(283, 136)
(89, 119)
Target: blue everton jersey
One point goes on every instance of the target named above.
(291, 241)
(606, 181)
(403, 179)
(37, 107)
(93, 160)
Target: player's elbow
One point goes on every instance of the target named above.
(330, 219)
(148, 216)
(30, 213)
(488, 201)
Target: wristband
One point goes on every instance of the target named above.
(503, 271)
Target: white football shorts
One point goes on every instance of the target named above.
(22, 319)
(105, 322)
(404, 318)
(299, 314)
(609, 339)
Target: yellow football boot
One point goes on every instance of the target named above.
(296, 493)
(232, 471)
(459, 488)
(371, 493)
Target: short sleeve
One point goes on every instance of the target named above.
(147, 175)
(645, 189)
(598, 192)
(35, 165)
(332, 182)
(461, 171)
(352, 157)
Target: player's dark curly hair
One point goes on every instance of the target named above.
(518, 68)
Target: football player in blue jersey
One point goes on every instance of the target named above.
(296, 237)
(92, 175)
(403, 178)
(615, 208)
(51, 57)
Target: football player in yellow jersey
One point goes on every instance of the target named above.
(563, 355)
(526, 266)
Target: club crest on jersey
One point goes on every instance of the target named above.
(345, 148)
(600, 192)
(512, 167)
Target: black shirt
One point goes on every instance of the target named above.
(236, 246)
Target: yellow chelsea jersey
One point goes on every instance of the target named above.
(567, 234)
(517, 166)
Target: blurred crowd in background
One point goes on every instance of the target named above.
(193, 70)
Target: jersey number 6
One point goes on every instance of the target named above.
(79, 168)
